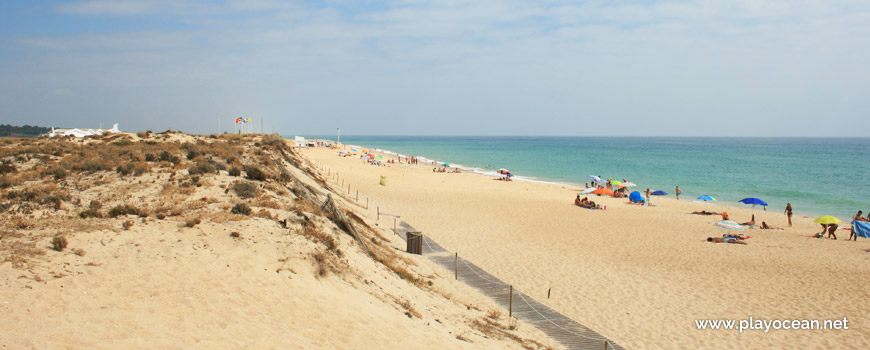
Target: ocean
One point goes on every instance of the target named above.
(818, 176)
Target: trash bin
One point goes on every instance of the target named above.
(383, 180)
(415, 242)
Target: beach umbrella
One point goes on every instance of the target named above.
(342, 151)
(354, 149)
(635, 197)
(596, 179)
(603, 191)
(615, 182)
(590, 189)
(752, 201)
(370, 155)
(445, 164)
(628, 184)
(379, 157)
(731, 225)
(659, 193)
(827, 219)
(707, 198)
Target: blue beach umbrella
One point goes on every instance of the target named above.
(752, 201)
(635, 197)
(707, 198)
(659, 193)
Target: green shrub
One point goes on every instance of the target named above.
(165, 156)
(90, 213)
(241, 208)
(57, 172)
(59, 243)
(254, 173)
(7, 168)
(201, 168)
(125, 209)
(122, 142)
(245, 189)
(234, 171)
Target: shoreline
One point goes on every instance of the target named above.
(492, 173)
(629, 273)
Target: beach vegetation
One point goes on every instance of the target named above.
(7, 168)
(59, 243)
(201, 167)
(90, 213)
(242, 209)
(234, 171)
(126, 209)
(56, 172)
(254, 172)
(191, 222)
(245, 189)
(127, 224)
(122, 142)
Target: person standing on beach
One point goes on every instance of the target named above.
(787, 212)
(831, 229)
(677, 191)
(646, 194)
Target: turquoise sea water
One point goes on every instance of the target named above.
(819, 176)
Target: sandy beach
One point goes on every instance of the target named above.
(640, 276)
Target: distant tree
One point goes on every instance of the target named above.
(22, 131)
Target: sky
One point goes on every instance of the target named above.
(418, 67)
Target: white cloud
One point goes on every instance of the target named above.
(478, 63)
(108, 7)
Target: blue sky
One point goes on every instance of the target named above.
(409, 67)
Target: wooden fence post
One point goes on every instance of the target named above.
(511, 302)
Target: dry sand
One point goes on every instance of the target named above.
(161, 285)
(640, 276)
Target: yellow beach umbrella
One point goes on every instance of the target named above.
(827, 219)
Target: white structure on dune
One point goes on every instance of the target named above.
(300, 141)
(81, 133)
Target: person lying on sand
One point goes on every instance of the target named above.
(765, 226)
(704, 212)
(725, 240)
(737, 236)
(751, 222)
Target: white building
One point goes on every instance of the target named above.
(81, 133)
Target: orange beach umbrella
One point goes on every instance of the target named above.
(604, 191)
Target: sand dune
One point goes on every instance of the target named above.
(161, 280)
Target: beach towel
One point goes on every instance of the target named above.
(861, 229)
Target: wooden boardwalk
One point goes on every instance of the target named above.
(561, 328)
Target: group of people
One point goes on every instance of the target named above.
(444, 170)
(586, 203)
